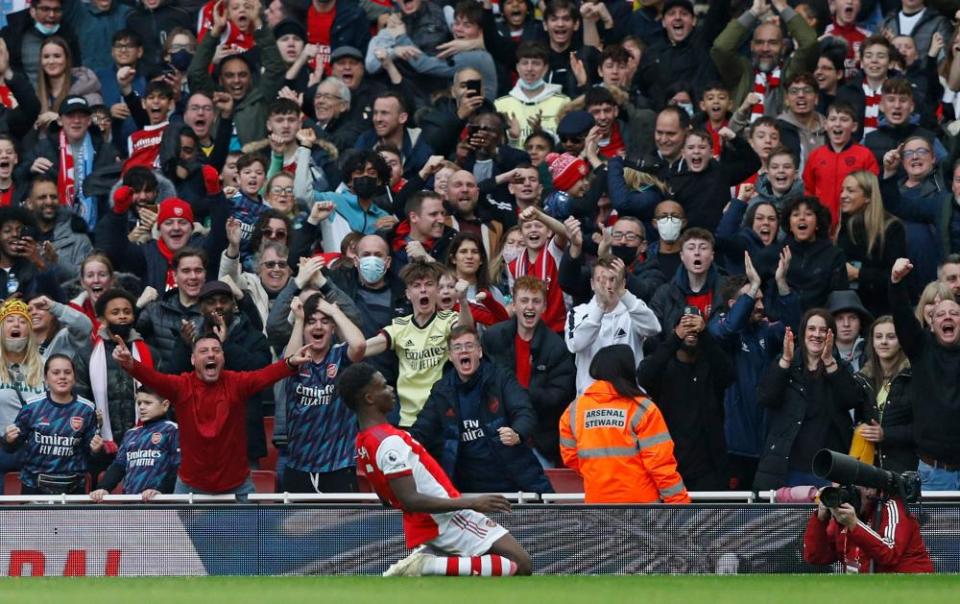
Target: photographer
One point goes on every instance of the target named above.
(881, 536)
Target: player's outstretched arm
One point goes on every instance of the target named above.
(405, 488)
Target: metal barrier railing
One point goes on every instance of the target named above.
(516, 497)
(189, 498)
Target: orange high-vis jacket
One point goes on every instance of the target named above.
(621, 447)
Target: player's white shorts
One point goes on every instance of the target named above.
(467, 533)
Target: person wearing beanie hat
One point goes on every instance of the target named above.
(569, 173)
(18, 347)
(153, 260)
(292, 41)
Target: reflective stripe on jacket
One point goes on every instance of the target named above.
(621, 447)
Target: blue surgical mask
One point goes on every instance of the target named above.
(372, 269)
(531, 86)
(688, 107)
(45, 30)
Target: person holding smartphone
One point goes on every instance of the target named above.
(687, 376)
(443, 123)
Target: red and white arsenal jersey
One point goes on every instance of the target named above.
(144, 147)
(385, 452)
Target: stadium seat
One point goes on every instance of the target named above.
(270, 461)
(564, 480)
(264, 481)
(11, 483)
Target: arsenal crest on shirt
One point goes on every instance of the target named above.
(331, 370)
(76, 422)
(156, 437)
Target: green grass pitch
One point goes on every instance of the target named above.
(808, 589)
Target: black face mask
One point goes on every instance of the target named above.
(625, 252)
(365, 187)
(121, 330)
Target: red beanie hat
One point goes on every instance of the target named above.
(566, 170)
(174, 207)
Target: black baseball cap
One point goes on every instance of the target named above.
(73, 104)
(684, 4)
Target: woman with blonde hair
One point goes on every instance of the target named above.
(934, 293)
(885, 407)
(871, 239)
(58, 78)
(21, 371)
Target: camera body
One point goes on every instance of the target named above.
(834, 497)
(847, 471)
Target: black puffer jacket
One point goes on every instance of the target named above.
(897, 451)
(789, 396)
(159, 324)
(553, 377)
(503, 403)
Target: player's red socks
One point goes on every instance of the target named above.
(490, 565)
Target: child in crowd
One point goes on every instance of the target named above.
(149, 455)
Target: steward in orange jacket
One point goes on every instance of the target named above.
(618, 442)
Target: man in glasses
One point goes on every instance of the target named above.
(802, 127)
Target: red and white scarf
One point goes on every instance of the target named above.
(871, 108)
(66, 178)
(98, 379)
(167, 253)
(763, 83)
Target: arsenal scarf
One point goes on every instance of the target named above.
(98, 379)
(167, 253)
(871, 108)
(763, 83)
(70, 178)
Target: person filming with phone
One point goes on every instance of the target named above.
(687, 376)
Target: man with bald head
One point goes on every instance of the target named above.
(935, 363)
(378, 293)
(463, 200)
(761, 75)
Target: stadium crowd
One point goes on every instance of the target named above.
(671, 246)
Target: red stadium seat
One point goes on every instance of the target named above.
(270, 461)
(264, 481)
(564, 480)
(11, 483)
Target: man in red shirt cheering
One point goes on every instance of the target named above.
(210, 404)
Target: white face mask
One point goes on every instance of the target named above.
(669, 228)
(511, 253)
(15, 345)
